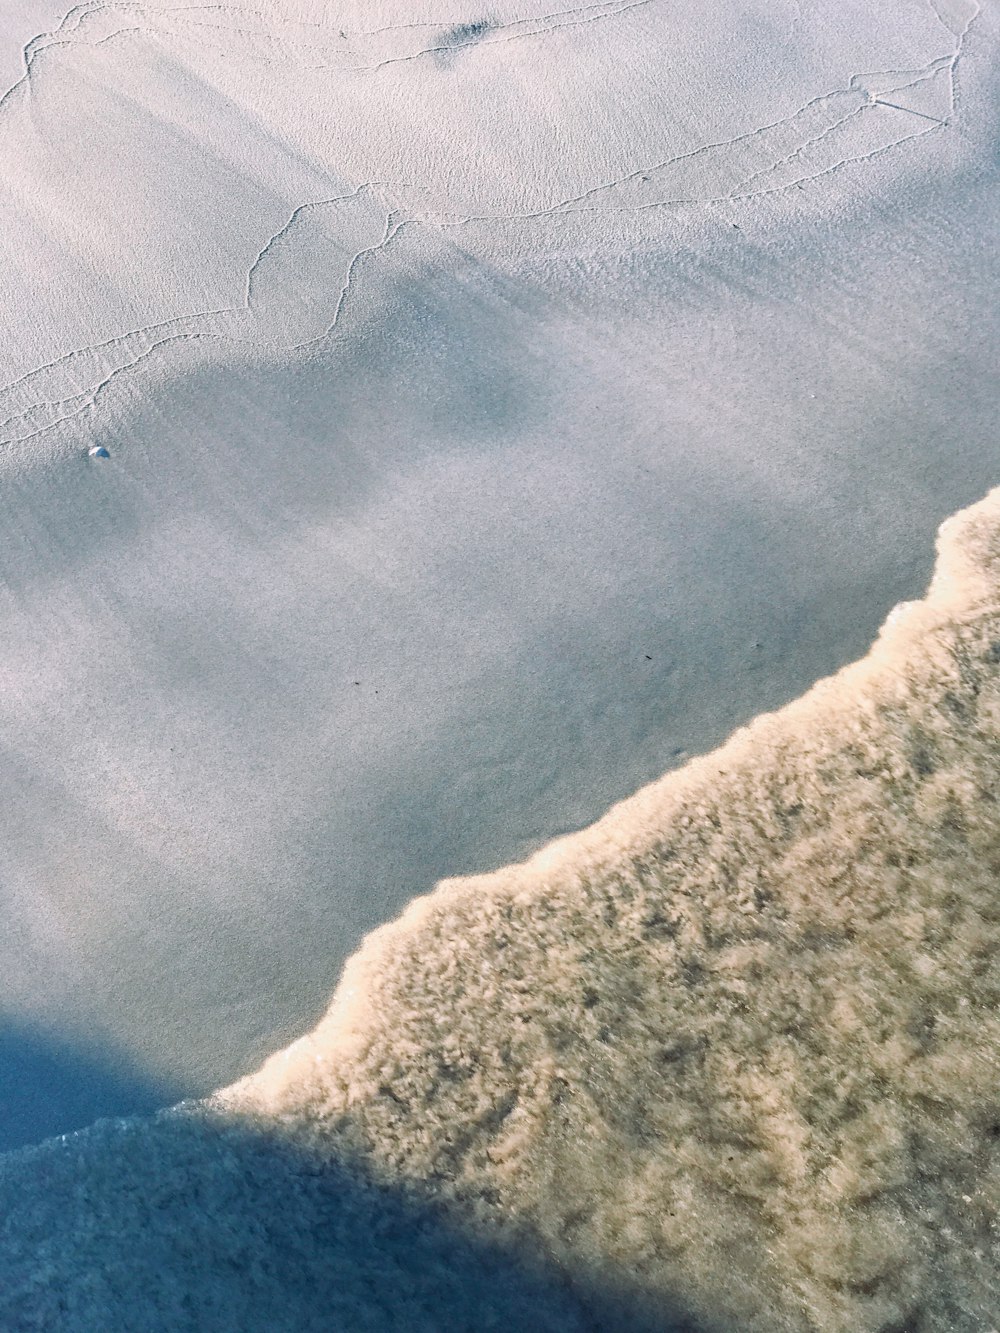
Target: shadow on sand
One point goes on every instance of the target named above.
(192, 1220)
(50, 1086)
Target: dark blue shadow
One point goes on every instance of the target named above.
(50, 1087)
(194, 1221)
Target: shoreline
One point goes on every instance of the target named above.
(764, 934)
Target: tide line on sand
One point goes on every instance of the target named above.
(727, 1059)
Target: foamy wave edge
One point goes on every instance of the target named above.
(732, 1049)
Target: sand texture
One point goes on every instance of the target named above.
(726, 1059)
(420, 427)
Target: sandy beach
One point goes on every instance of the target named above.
(725, 1059)
(421, 429)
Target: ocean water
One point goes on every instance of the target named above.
(725, 1059)
(459, 482)
(326, 628)
(419, 432)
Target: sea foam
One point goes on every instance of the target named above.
(728, 1058)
